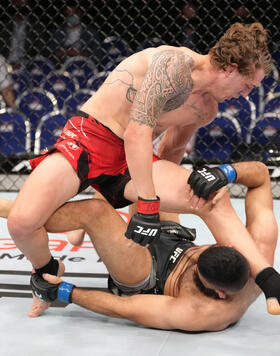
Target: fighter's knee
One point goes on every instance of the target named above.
(100, 207)
(94, 209)
(19, 225)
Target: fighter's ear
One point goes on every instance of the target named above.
(231, 68)
(221, 293)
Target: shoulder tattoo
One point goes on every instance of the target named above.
(166, 86)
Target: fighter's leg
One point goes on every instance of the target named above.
(5, 207)
(127, 263)
(170, 182)
(76, 237)
(106, 229)
(52, 183)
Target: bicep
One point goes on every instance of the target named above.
(164, 312)
(173, 144)
(178, 137)
(158, 311)
(150, 310)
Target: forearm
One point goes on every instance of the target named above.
(228, 230)
(251, 174)
(173, 144)
(173, 155)
(139, 157)
(99, 302)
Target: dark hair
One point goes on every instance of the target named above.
(224, 267)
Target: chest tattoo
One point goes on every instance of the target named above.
(200, 115)
(130, 94)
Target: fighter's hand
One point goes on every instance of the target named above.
(199, 203)
(269, 282)
(205, 181)
(52, 279)
(50, 288)
(144, 226)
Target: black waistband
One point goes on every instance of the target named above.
(87, 116)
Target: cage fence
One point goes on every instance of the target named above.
(56, 54)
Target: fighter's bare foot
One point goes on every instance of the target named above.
(76, 237)
(39, 306)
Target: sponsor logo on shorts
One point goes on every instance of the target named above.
(177, 253)
(69, 133)
(73, 146)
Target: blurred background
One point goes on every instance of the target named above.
(55, 54)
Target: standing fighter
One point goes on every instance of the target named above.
(158, 89)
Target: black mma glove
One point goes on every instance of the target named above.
(144, 226)
(173, 228)
(269, 282)
(49, 292)
(204, 181)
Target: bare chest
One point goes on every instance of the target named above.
(198, 110)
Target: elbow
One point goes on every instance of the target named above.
(129, 136)
(132, 132)
(136, 134)
(264, 172)
(263, 167)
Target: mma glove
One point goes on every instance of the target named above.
(144, 226)
(269, 282)
(175, 229)
(205, 180)
(49, 292)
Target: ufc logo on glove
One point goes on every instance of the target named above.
(205, 181)
(207, 175)
(147, 232)
(148, 217)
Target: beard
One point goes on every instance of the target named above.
(201, 287)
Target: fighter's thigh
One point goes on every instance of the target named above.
(171, 186)
(126, 261)
(52, 182)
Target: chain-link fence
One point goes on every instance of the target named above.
(55, 54)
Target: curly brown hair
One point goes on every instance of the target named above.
(245, 45)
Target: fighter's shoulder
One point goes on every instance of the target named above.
(160, 53)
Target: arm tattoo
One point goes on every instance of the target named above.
(166, 86)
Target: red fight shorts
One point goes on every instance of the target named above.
(96, 154)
